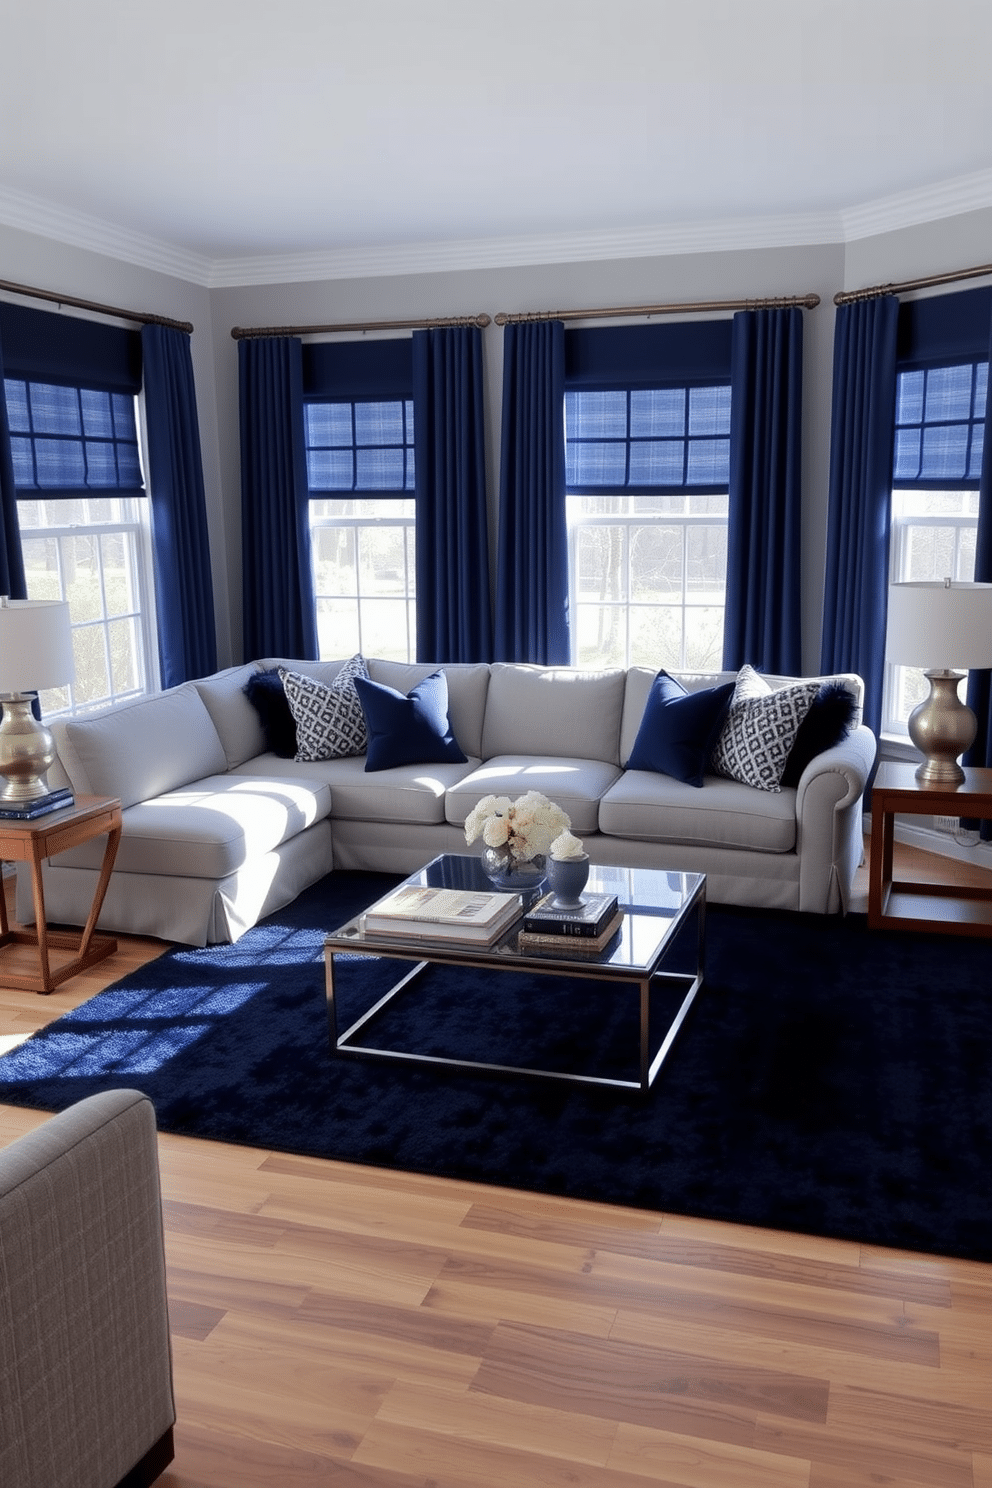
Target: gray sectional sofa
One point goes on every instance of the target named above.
(219, 832)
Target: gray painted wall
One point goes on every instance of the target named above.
(958, 242)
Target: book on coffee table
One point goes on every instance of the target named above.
(571, 945)
(443, 914)
(588, 918)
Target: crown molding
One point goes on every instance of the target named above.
(81, 230)
(951, 198)
(496, 253)
(887, 214)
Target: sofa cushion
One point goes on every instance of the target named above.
(236, 721)
(330, 722)
(408, 729)
(210, 828)
(679, 729)
(759, 732)
(138, 750)
(533, 710)
(648, 807)
(266, 694)
(576, 785)
(410, 794)
(468, 685)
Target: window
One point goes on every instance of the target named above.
(362, 542)
(647, 472)
(940, 413)
(85, 532)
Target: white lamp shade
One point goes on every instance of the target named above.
(35, 645)
(940, 626)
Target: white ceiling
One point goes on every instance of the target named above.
(239, 139)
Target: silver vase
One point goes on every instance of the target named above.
(512, 874)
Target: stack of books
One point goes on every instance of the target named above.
(464, 915)
(56, 800)
(585, 929)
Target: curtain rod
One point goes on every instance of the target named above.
(851, 296)
(62, 299)
(245, 333)
(804, 302)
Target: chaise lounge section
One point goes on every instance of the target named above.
(219, 830)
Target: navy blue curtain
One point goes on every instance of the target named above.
(763, 623)
(278, 599)
(187, 638)
(861, 439)
(980, 681)
(454, 614)
(532, 572)
(11, 560)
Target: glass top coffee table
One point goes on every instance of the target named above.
(657, 956)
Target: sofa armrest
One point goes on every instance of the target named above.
(829, 828)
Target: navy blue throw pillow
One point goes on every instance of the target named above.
(679, 729)
(410, 730)
(829, 720)
(265, 692)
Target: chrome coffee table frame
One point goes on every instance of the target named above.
(656, 907)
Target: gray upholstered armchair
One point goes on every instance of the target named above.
(85, 1365)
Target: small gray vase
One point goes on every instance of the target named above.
(567, 878)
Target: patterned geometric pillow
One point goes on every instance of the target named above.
(749, 684)
(329, 719)
(759, 733)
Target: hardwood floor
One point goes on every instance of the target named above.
(349, 1326)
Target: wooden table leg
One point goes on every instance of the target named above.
(880, 866)
(106, 868)
(40, 923)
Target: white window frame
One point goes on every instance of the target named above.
(133, 530)
(683, 601)
(377, 512)
(581, 502)
(133, 526)
(364, 511)
(905, 516)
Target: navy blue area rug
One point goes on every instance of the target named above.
(829, 1080)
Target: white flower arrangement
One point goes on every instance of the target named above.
(527, 826)
(567, 849)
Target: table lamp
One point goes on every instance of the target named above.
(35, 654)
(941, 625)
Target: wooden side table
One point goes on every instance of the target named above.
(948, 908)
(39, 960)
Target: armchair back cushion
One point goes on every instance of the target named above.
(85, 1367)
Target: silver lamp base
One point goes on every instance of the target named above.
(27, 751)
(942, 728)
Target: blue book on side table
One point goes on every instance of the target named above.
(56, 800)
